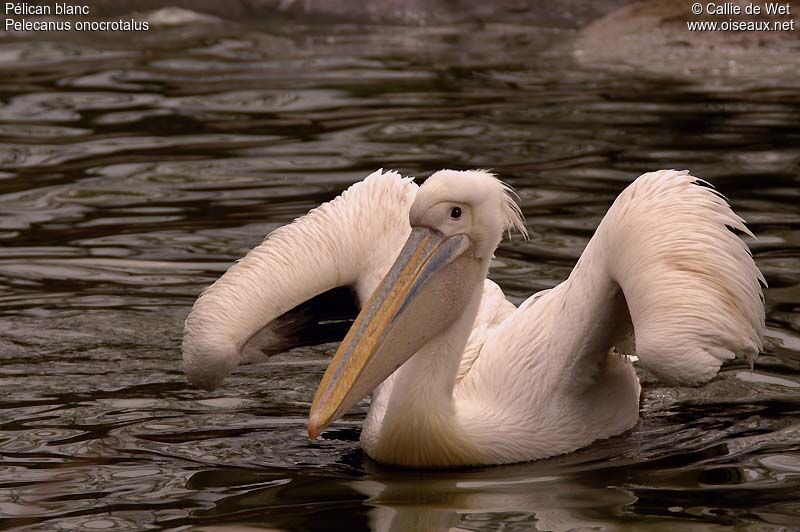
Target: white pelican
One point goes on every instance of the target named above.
(480, 381)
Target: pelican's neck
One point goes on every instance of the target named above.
(412, 419)
(427, 379)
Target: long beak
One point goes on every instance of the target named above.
(403, 314)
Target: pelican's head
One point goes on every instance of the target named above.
(472, 203)
(457, 221)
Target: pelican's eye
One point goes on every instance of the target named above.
(455, 213)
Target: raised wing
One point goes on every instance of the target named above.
(349, 241)
(665, 267)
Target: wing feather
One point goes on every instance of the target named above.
(664, 272)
(349, 241)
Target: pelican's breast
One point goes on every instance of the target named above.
(415, 434)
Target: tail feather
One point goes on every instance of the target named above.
(692, 288)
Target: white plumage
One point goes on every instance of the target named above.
(349, 241)
(663, 277)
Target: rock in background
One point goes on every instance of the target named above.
(652, 37)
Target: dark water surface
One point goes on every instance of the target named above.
(133, 171)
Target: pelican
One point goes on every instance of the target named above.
(458, 375)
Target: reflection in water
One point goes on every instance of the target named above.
(132, 173)
(460, 502)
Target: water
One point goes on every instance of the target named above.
(134, 171)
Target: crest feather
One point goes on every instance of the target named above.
(513, 218)
(512, 213)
